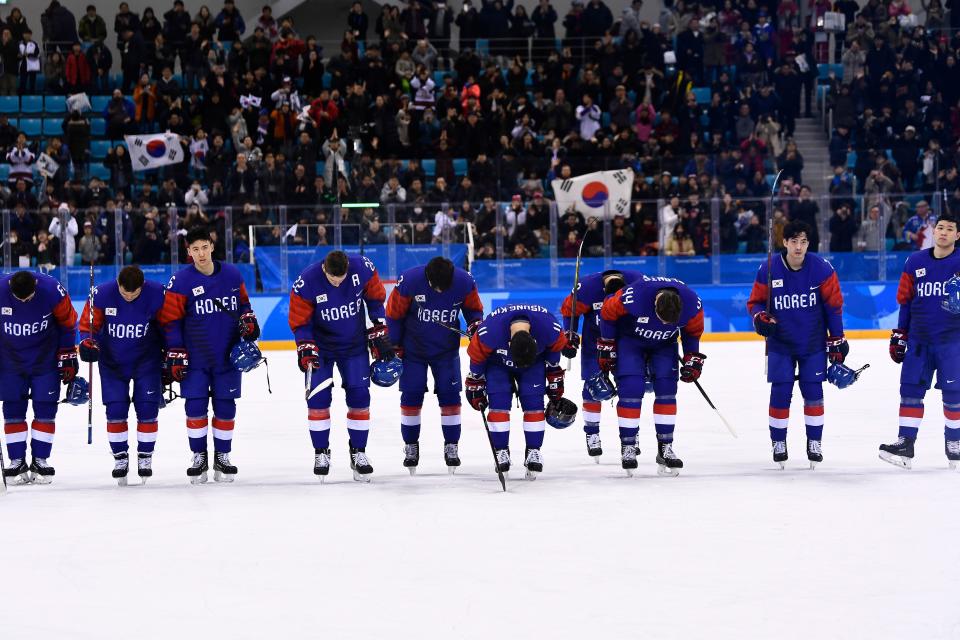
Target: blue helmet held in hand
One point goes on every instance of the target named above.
(560, 413)
(385, 373)
(78, 392)
(951, 295)
(600, 388)
(245, 356)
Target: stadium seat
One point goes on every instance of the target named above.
(4, 172)
(31, 104)
(703, 94)
(99, 103)
(99, 149)
(55, 104)
(327, 79)
(98, 127)
(460, 166)
(97, 170)
(429, 166)
(31, 126)
(53, 126)
(321, 167)
(9, 104)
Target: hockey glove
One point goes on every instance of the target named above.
(476, 390)
(692, 366)
(837, 349)
(607, 354)
(764, 324)
(176, 364)
(473, 327)
(573, 345)
(898, 345)
(89, 350)
(67, 364)
(554, 382)
(249, 327)
(307, 356)
(379, 342)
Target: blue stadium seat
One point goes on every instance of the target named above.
(4, 172)
(9, 104)
(703, 94)
(55, 104)
(98, 127)
(321, 167)
(460, 166)
(851, 159)
(53, 126)
(429, 166)
(327, 79)
(99, 103)
(31, 126)
(605, 119)
(483, 46)
(97, 170)
(31, 104)
(99, 149)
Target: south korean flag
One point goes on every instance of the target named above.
(152, 151)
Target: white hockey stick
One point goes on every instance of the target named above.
(320, 387)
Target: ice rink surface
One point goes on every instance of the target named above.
(732, 548)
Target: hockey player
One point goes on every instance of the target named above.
(591, 292)
(638, 337)
(804, 328)
(425, 298)
(327, 319)
(927, 340)
(206, 311)
(124, 340)
(516, 351)
(38, 339)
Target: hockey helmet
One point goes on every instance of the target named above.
(600, 388)
(951, 295)
(245, 356)
(560, 413)
(841, 376)
(78, 392)
(384, 373)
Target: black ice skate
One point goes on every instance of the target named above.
(18, 472)
(628, 458)
(668, 463)
(121, 466)
(952, 449)
(534, 463)
(451, 455)
(41, 472)
(814, 453)
(321, 463)
(411, 457)
(780, 452)
(144, 466)
(503, 460)
(899, 454)
(594, 449)
(198, 470)
(362, 469)
(223, 471)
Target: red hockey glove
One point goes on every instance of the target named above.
(176, 365)
(89, 350)
(898, 345)
(472, 328)
(475, 386)
(379, 342)
(764, 324)
(837, 349)
(573, 345)
(67, 364)
(607, 354)
(307, 356)
(249, 327)
(692, 366)
(554, 382)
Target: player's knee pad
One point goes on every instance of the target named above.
(448, 399)
(630, 389)
(195, 407)
(358, 397)
(531, 402)
(146, 411)
(44, 410)
(951, 399)
(812, 393)
(912, 394)
(663, 387)
(781, 394)
(411, 399)
(15, 409)
(118, 410)
(225, 408)
(500, 401)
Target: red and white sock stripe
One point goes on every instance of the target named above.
(147, 431)
(222, 429)
(779, 417)
(534, 421)
(197, 427)
(498, 421)
(358, 419)
(813, 415)
(117, 430)
(409, 416)
(15, 431)
(911, 416)
(591, 411)
(450, 415)
(628, 417)
(318, 419)
(951, 418)
(42, 430)
(664, 413)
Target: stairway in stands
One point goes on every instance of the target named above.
(813, 143)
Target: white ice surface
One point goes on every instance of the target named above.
(730, 549)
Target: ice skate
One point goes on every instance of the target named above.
(594, 448)
(18, 472)
(814, 453)
(533, 463)
(900, 453)
(503, 460)
(144, 466)
(952, 449)
(41, 472)
(198, 470)
(451, 455)
(668, 463)
(121, 466)
(223, 471)
(321, 463)
(780, 453)
(628, 458)
(362, 469)
(411, 457)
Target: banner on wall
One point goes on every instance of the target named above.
(592, 193)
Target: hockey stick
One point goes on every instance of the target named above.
(3, 465)
(306, 389)
(493, 450)
(90, 364)
(573, 294)
(320, 387)
(713, 406)
(773, 192)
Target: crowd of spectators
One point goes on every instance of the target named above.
(471, 126)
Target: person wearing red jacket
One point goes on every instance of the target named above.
(78, 72)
